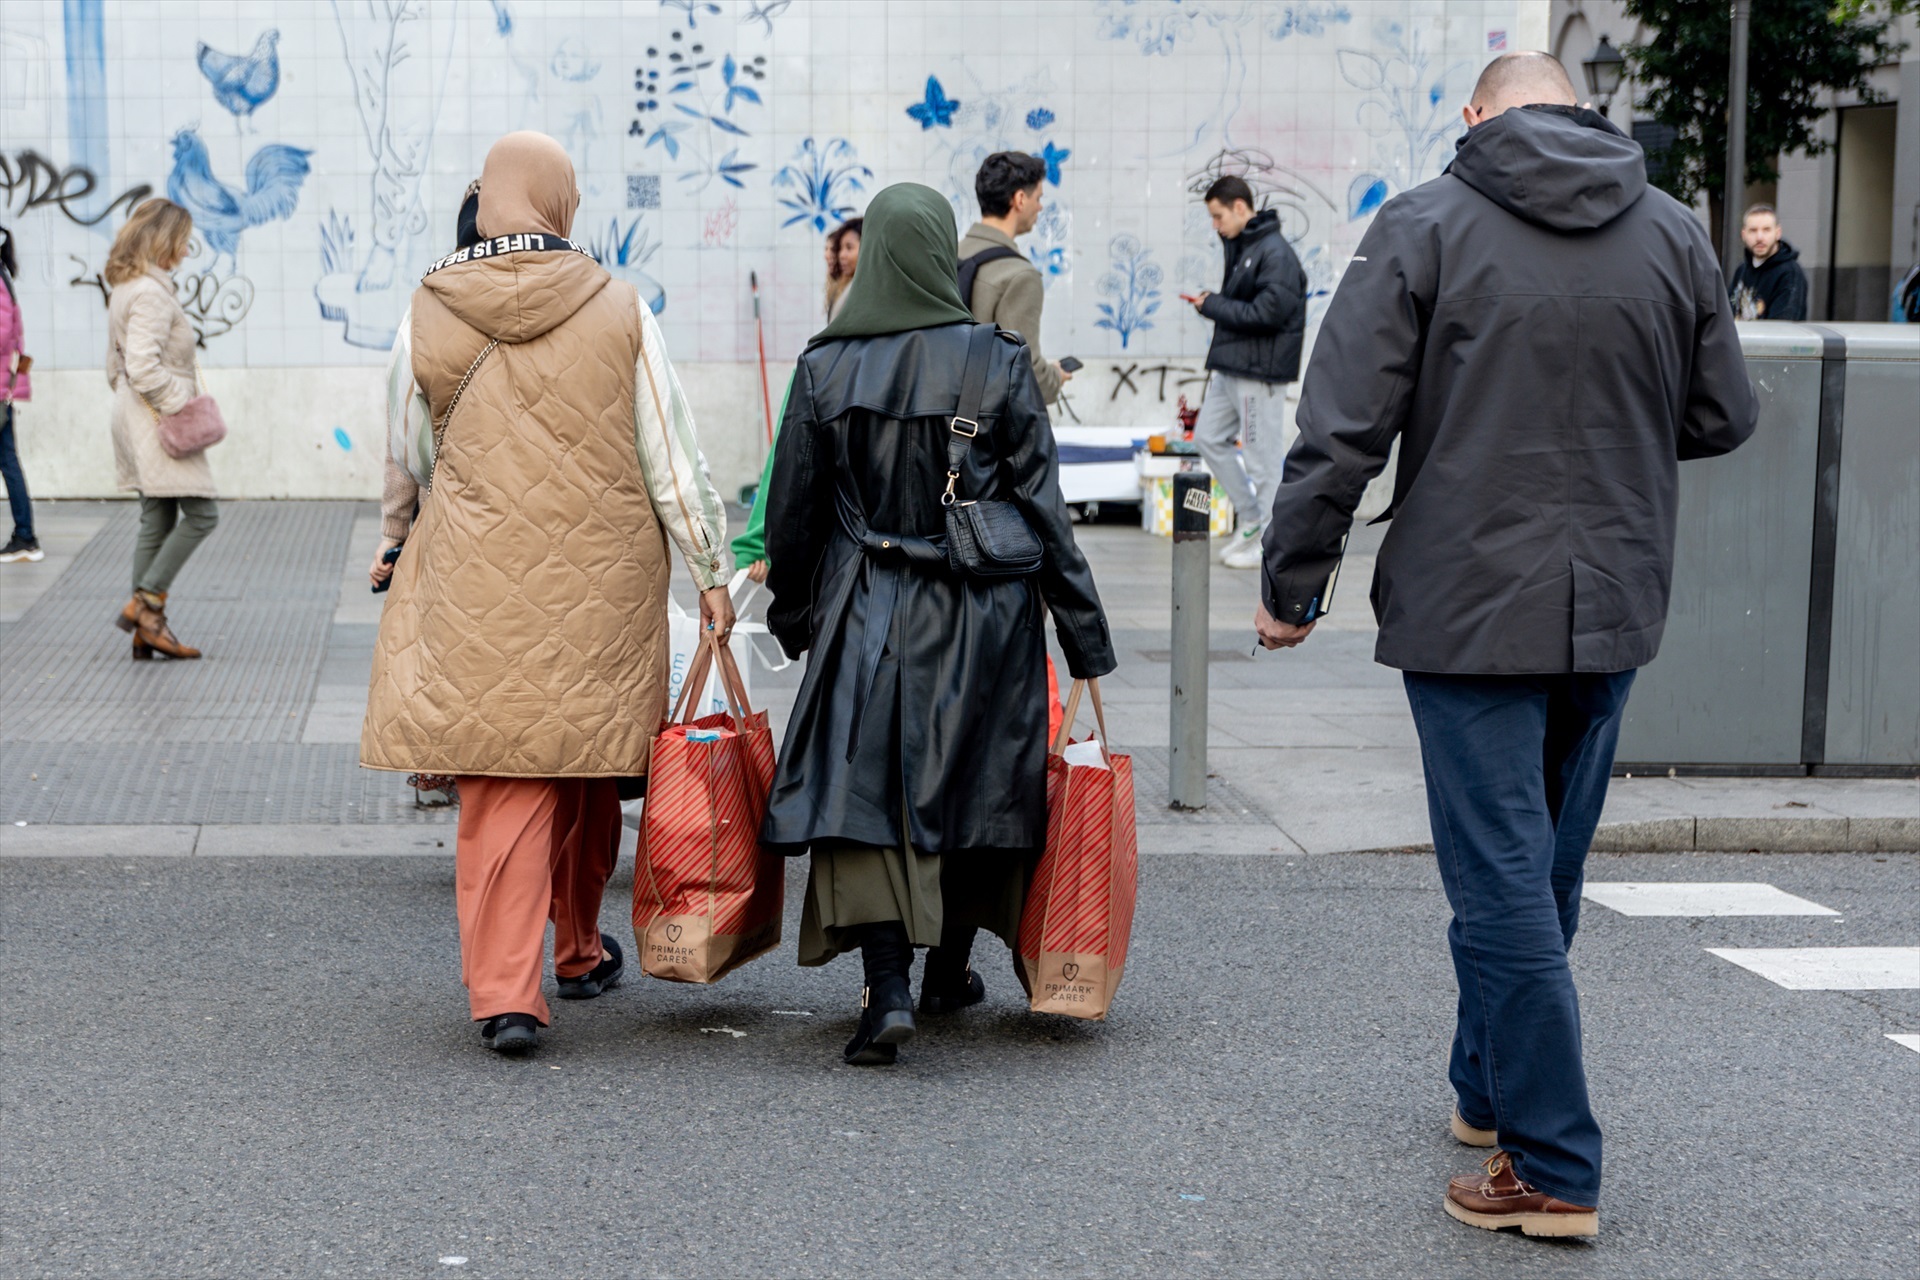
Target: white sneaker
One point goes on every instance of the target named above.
(1238, 539)
(1245, 555)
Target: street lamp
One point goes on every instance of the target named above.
(1605, 66)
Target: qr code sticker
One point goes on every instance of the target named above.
(643, 191)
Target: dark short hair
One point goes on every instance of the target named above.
(1767, 209)
(1228, 189)
(1001, 176)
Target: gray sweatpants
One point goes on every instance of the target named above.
(1255, 414)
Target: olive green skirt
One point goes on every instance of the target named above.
(855, 884)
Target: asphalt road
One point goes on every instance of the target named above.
(262, 1067)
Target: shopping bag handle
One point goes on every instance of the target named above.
(1059, 746)
(712, 648)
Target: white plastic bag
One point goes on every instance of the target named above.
(683, 631)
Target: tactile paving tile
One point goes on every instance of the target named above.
(1227, 806)
(190, 784)
(258, 597)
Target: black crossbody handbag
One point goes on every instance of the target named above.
(985, 538)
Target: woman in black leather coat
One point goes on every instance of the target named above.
(914, 767)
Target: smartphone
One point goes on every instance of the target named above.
(391, 557)
(1071, 364)
(1189, 298)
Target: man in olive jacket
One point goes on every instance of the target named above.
(997, 283)
(1547, 337)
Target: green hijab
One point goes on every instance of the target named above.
(909, 257)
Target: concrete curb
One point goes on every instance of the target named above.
(1743, 835)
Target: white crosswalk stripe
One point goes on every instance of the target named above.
(1658, 898)
(1830, 968)
(1912, 1042)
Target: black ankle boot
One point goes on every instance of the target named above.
(949, 982)
(886, 1006)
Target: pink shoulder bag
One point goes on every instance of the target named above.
(196, 426)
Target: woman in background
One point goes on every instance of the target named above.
(843, 255)
(150, 366)
(15, 387)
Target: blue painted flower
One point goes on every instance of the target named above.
(341, 438)
(1039, 118)
(821, 181)
(936, 108)
(1054, 156)
(1365, 194)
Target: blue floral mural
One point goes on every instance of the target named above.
(693, 112)
(820, 182)
(935, 108)
(1133, 284)
(1039, 118)
(1408, 108)
(624, 250)
(1054, 158)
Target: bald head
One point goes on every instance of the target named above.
(1519, 80)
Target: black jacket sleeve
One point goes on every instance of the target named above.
(1278, 299)
(1356, 397)
(1790, 298)
(1032, 465)
(1721, 407)
(799, 519)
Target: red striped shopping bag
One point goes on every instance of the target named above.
(706, 897)
(1079, 910)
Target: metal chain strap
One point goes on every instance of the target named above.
(440, 427)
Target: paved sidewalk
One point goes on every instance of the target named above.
(1312, 750)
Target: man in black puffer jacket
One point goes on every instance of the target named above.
(1258, 317)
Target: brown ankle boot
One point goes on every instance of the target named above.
(142, 651)
(154, 630)
(128, 619)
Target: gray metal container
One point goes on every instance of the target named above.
(1793, 640)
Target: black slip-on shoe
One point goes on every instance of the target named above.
(938, 999)
(513, 1034)
(603, 977)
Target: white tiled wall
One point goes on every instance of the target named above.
(1332, 103)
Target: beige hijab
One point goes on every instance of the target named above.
(527, 185)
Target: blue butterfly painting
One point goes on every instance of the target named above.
(937, 109)
(1054, 156)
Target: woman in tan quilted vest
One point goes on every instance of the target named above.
(524, 647)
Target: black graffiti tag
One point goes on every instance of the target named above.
(35, 181)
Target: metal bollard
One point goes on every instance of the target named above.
(1192, 574)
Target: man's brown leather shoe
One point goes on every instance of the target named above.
(1470, 1136)
(1497, 1199)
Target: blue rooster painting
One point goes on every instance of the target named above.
(221, 213)
(241, 84)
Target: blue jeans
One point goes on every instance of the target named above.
(14, 478)
(1517, 770)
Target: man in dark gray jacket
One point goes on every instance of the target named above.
(1547, 337)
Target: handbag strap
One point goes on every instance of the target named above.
(973, 389)
(440, 427)
(1059, 746)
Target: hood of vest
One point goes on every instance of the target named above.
(517, 297)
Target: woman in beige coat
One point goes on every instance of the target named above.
(524, 647)
(150, 366)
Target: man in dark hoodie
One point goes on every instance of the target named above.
(1547, 338)
(1768, 284)
(1258, 318)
